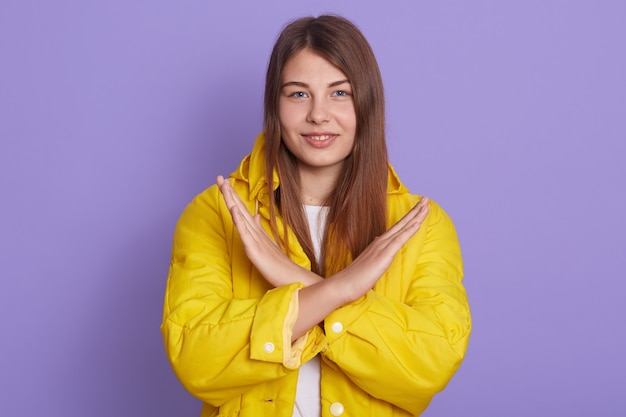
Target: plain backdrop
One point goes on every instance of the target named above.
(114, 114)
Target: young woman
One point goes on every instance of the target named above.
(311, 282)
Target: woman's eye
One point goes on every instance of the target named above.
(341, 93)
(299, 94)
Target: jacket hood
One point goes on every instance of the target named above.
(252, 171)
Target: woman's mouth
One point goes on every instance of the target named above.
(319, 137)
(320, 140)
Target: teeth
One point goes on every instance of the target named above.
(320, 138)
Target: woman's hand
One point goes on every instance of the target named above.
(361, 275)
(319, 300)
(262, 251)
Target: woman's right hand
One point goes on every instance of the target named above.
(361, 275)
(319, 300)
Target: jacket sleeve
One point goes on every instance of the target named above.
(220, 346)
(416, 340)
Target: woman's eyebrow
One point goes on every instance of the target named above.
(336, 83)
(296, 83)
(305, 85)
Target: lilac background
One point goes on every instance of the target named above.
(114, 114)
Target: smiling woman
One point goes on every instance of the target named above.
(311, 282)
(317, 121)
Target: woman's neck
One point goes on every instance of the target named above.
(316, 186)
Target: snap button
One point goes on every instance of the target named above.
(268, 347)
(336, 409)
(337, 327)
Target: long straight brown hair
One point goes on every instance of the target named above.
(358, 205)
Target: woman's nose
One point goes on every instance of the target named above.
(319, 112)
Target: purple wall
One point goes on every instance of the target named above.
(114, 114)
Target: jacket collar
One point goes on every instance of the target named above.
(252, 171)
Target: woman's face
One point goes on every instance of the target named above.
(316, 112)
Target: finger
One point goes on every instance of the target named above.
(417, 218)
(232, 198)
(395, 238)
(224, 187)
(238, 210)
(416, 212)
(238, 201)
(398, 239)
(421, 213)
(246, 217)
(247, 230)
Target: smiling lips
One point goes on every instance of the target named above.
(319, 140)
(319, 137)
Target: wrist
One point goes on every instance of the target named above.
(344, 288)
(291, 272)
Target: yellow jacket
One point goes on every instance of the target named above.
(227, 332)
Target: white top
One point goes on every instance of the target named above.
(308, 395)
(316, 215)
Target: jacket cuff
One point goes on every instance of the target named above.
(338, 323)
(272, 328)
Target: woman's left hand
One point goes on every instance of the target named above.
(262, 251)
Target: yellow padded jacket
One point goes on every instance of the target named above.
(227, 332)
